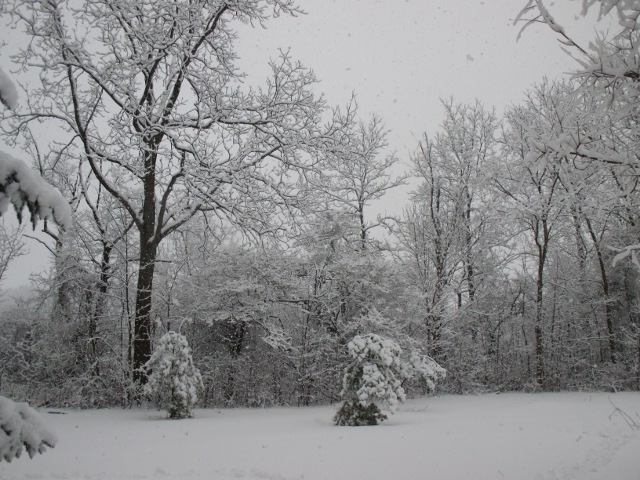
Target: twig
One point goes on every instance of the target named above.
(633, 425)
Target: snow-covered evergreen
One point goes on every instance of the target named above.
(21, 427)
(372, 377)
(174, 380)
(375, 377)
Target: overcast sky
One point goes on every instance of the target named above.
(401, 57)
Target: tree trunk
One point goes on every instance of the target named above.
(148, 252)
(469, 251)
(605, 291)
(538, 328)
(363, 226)
(434, 308)
(542, 246)
(142, 326)
(638, 361)
(101, 300)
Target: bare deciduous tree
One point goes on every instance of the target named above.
(358, 169)
(148, 96)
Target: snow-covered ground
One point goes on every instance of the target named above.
(507, 436)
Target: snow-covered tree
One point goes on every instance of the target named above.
(374, 376)
(151, 105)
(21, 427)
(533, 191)
(173, 378)
(609, 72)
(446, 234)
(357, 170)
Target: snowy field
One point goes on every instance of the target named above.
(507, 436)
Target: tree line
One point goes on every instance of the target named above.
(241, 218)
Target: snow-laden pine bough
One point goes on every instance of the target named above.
(22, 428)
(22, 187)
(375, 376)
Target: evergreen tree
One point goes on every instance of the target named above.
(372, 376)
(174, 380)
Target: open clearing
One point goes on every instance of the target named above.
(506, 436)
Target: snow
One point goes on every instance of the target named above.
(22, 186)
(22, 428)
(512, 436)
(8, 91)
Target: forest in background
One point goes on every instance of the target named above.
(241, 218)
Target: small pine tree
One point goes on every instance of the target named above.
(173, 380)
(370, 378)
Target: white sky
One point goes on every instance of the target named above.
(400, 57)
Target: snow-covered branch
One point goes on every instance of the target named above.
(21, 187)
(21, 427)
(8, 91)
